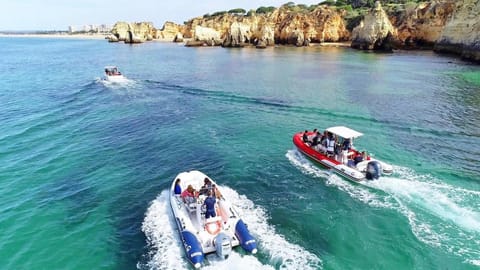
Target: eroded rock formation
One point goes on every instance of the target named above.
(461, 35)
(375, 32)
(170, 32)
(133, 32)
(283, 26)
(238, 35)
(421, 26)
(383, 28)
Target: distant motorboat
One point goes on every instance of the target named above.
(112, 74)
(201, 235)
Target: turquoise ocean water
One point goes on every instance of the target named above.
(85, 165)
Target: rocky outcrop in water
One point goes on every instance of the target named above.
(375, 32)
(170, 32)
(133, 32)
(461, 35)
(409, 25)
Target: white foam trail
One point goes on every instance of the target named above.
(439, 214)
(282, 253)
(443, 203)
(124, 84)
(160, 229)
(167, 251)
(353, 189)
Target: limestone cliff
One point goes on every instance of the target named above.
(407, 25)
(375, 32)
(461, 35)
(238, 35)
(133, 32)
(420, 26)
(323, 24)
(288, 27)
(170, 32)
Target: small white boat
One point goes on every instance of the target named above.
(201, 235)
(112, 74)
(346, 163)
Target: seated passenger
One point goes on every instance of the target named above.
(314, 132)
(178, 188)
(305, 137)
(189, 195)
(316, 139)
(351, 163)
(358, 158)
(207, 186)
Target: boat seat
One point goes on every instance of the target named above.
(192, 207)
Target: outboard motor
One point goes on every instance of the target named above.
(374, 170)
(223, 245)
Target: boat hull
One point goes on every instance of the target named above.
(357, 173)
(115, 78)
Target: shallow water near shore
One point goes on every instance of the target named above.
(86, 164)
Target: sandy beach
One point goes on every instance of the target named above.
(103, 36)
(70, 36)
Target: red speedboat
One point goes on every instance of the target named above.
(334, 150)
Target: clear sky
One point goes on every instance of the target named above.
(59, 14)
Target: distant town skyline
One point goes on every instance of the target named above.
(32, 15)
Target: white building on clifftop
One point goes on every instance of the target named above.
(90, 28)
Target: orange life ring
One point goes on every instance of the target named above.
(213, 227)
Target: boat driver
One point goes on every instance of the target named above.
(210, 206)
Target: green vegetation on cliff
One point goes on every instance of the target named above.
(355, 10)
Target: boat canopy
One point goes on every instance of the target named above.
(344, 132)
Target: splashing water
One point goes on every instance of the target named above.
(438, 213)
(166, 251)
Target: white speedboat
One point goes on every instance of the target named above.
(201, 235)
(352, 164)
(112, 74)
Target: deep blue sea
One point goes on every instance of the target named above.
(85, 164)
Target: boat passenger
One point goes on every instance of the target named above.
(359, 158)
(310, 137)
(216, 192)
(210, 206)
(316, 139)
(207, 186)
(351, 163)
(330, 145)
(189, 195)
(345, 148)
(178, 188)
(305, 137)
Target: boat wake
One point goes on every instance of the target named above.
(125, 83)
(166, 250)
(439, 214)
